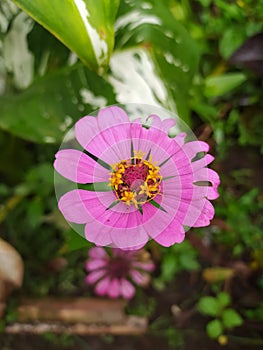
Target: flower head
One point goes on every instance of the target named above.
(115, 275)
(135, 183)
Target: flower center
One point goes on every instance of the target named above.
(135, 180)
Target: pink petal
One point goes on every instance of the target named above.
(81, 206)
(118, 144)
(172, 234)
(156, 220)
(98, 253)
(78, 167)
(194, 147)
(206, 215)
(127, 290)
(164, 125)
(99, 135)
(120, 216)
(141, 279)
(102, 286)
(133, 247)
(146, 266)
(199, 213)
(73, 208)
(112, 116)
(90, 137)
(85, 129)
(94, 276)
(114, 288)
(180, 139)
(183, 163)
(201, 163)
(130, 238)
(167, 124)
(110, 228)
(98, 234)
(156, 121)
(74, 165)
(212, 192)
(206, 174)
(95, 264)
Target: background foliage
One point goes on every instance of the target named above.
(202, 58)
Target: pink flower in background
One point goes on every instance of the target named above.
(115, 274)
(135, 183)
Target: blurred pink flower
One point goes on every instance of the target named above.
(137, 183)
(115, 274)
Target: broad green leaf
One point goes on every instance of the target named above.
(232, 38)
(161, 56)
(84, 26)
(35, 212)
(208, 306)
(169, 267)
(73, 242)
(44, 112)
(188, 262)
(214, 329)
(231, 318)
(220, 85)
(223, 299)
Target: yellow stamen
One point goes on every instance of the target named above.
(127, 197)
(136, 180)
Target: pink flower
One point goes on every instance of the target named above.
(113, 274)
(135, 183)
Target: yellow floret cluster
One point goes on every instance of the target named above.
(136, 180)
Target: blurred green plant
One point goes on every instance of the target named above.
(180, 257)
(243, 221)
(224, 317)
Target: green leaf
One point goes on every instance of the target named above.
(73, 242)
(231, 318)
(157, 205)
(35, 212)
(169, 267)
(159, 51)
(97, 187)
(84, 26)
(44, 112)
(223, 299)
(113, 204)
(188, 262)
(214, 329)
(232, 38)
(220, 85)
(208, 306)
(132, 152)
(98, 160)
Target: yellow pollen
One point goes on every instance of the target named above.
(145, 189)
(135, 180)
(139, 154)
(128, 197)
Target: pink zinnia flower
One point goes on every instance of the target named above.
(135, 183)
(113, 274)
